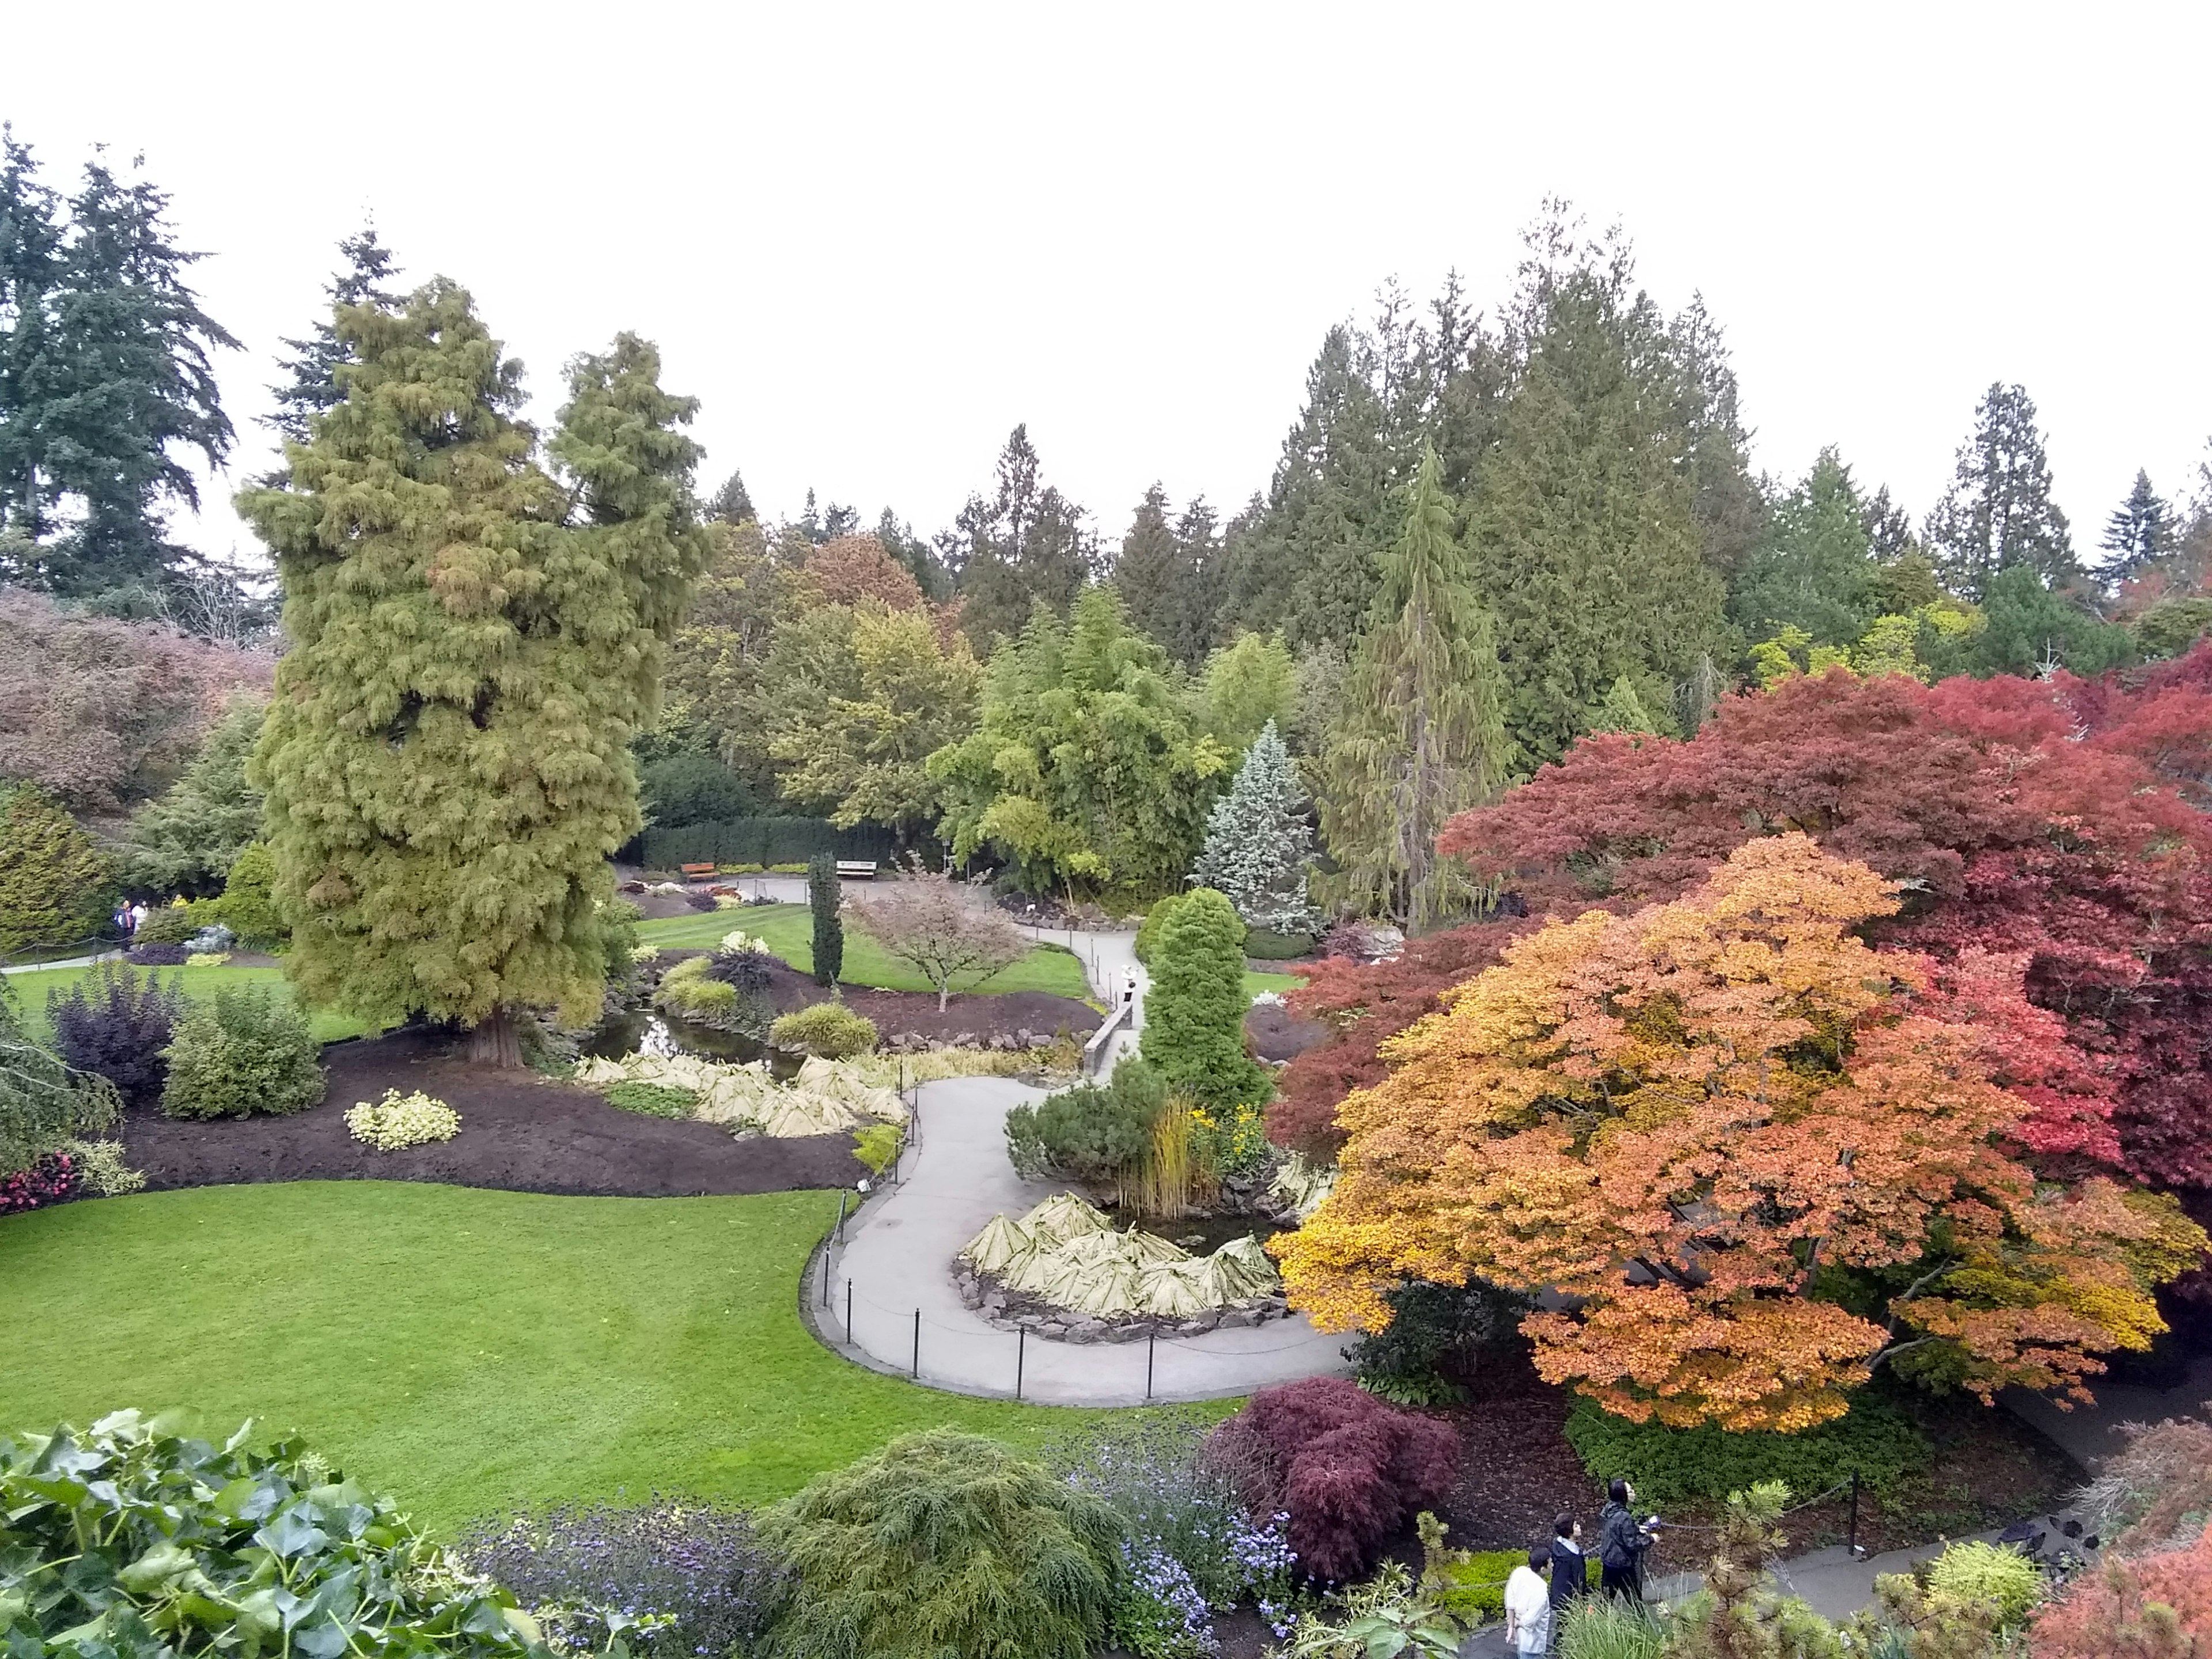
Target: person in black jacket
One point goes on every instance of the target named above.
(1570, 1570)
(1621, 1542)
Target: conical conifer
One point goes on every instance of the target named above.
(471, 646)
(1258, 843)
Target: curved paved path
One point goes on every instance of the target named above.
(897, 1259)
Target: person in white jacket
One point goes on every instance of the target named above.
(1529, 1604)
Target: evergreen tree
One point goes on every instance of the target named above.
(1026, 545)
(1258, 843)
(473, 646)
(824, 896)
(54, 883)
(311, 385)
(1249, 684)
(916, 553)
(1582, 536)
(730, 504)
(191, 836)
(1622, 710)
(1422, 732)
(1726, 503)
(2139, 534)
(1813, 568)
(2028, 630)
(106, 375)
(1164, 575)
(1998, 511)
(1193, 1035)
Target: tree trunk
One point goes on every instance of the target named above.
(496, 1041)
(943, 993)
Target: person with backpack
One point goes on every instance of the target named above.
(1621, 1542)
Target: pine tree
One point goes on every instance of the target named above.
(1998, 511)
(824, 895)
(732, 504)
(1422, 732)
(2139, 534)
(312, 382)
(1026, 545)
(473, 644)
(1258, 843)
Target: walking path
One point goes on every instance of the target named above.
(66, 962)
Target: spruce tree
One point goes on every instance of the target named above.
(731, 503)
(823, 897)
(1258, 843)
(311, 384)
(1998, 511)
(1421, 734)
(473, 644)
(1814, 567)
(2138, 535)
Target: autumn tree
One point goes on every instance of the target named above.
(1758, 1158)
(928, 921)
(474, 644)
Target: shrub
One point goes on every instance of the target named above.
(618, 940)
(1093, 1133)
(241, 1052)
(687, 992)
(690, 788)
(158, 955)
(2001, 1579)
(167, 924)
(941, 1543)
(1431, 1325)
(162, 1533)
(248, 901)
(54, 882)
(654, 1099)
(44, 1104)
(878, 1146)
(828, 1029)
(1194, 1033)
(1472, 1583)
(2151, 1607)
(48, 1179)
(1389, 1614)
(1678, 1465)
(100, 1169)
(398, 1121)
(215, 940)
(1155, 922)
(1264, 946)
(1348, 1470)
(824, 896)
(108, 1023)
(697, 1574)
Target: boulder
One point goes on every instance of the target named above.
(1087, 1330)
(1200, 1326)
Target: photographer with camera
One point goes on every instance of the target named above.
(1621, 1542)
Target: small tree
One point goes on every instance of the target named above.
(1258, 843)
(822, 893)
(925, 920)
(52, 876)
(1195, 1014)
(44, 1103)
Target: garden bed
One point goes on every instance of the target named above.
(520, 1133)
(1276, 1035)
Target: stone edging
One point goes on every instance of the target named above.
(1016, 1310)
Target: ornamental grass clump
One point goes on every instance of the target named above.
(398, 1121)
(673, 1578)
(827, 1029)
(944, 1543)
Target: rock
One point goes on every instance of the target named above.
(1051, 1329)
(1200, 1326)
(1039, 1040)
(994, 1305)
(1087, 1330)
(1244, 1316)
(1136, 1333)
(964, 1040)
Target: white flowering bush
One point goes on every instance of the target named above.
(738, 942)
(400, 1120)
(1269, 1000)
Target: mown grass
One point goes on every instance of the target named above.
(471, 1351)
(1255, 983)
(788, 930)
(33, 987)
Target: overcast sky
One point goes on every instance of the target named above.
(873, 238)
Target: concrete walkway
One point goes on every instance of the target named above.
(898, 1260)
(66, 962)
(1107, 959)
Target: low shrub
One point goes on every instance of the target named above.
(687, 992)
(944, 1543)
(1473, 1582)
(1431, 1327)
(101, 1170)
(213, 940)
(2004, 1580)
(239, 1052)
(1678, 1465)
(158, 955)
(878, 1146)
(48, 1179)
(828, 1029)
(673, 1579)
(113, 1023)
(1389, 1614)
(1264, 946)
(654, 1099)
(207, 959)
(127, 1531)
(169, 924)
(398, 1121)
(1348, 1470)
(1094, 1132)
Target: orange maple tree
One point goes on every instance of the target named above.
(1744, 1157)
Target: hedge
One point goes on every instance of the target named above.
(1675, 1466)
(764, 840)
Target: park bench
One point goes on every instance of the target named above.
(856, 869)
(697, 871)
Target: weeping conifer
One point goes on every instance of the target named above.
(1422, 732)
(472, 644)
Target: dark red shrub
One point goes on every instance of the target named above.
(117, 1028)
(1349, 1470)
(160, 955)
(49, 1180)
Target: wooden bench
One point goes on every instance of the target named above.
(856, 869)
(696, 871)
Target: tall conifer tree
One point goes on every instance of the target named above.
(1998, 511)
(1259, 846)
(1422, 733)
(472, 647)
(312, 371)
(2138, 534)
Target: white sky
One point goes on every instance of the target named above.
(872, 238)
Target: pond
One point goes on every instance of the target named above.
(1200, 1235)
(643, 1031)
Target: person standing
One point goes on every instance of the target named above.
(137, 917)
(1528, 1605)
(1621, 1542)
(1569, 1568)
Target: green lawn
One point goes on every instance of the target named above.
(468, 1351)
(1255, 983)
(31, 988)
(789, 931)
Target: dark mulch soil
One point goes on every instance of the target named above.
(1276, 1036)
(968, 1018)
(657, 907)
(518, 1132)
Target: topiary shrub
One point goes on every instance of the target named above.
(944, 1543)
(828, 1029)
(1194, 1033)
(109, 1023)
(248, 901)
(1155, 922)
(1348, 1470)
(129, 1530)
(242, 1051)
(1679, 1465)
(824, 896)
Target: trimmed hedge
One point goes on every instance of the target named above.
(764, 841)
(1675, 1466)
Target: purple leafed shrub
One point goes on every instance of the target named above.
(160, 955)
(49, 1180)
(118, 1027)
(676, 1580)
(1349, 1470)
